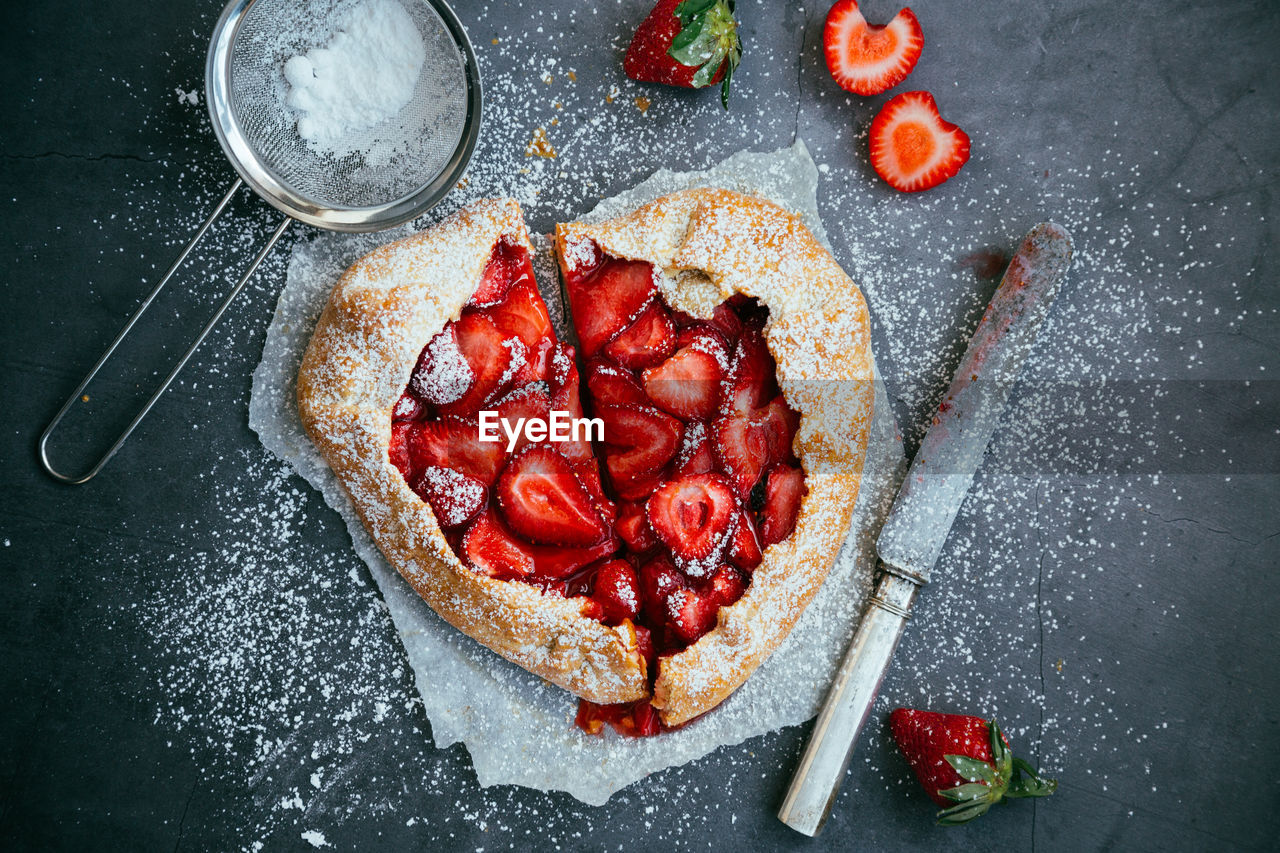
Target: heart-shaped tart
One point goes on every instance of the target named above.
(650, 556)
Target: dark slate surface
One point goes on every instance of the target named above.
(1108, 591)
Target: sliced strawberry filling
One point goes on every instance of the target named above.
(698, 448)
(699, 475)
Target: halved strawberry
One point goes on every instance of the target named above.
(482, 346)
(726, 586)
(695, 455)
(443, 373)
(551, 562)
(633, 527)
(780, 423)
(727, 322)
(783, 491)
(692, 516)
(536, 364)
(644, 644)
(590, 608)
(610, 385)
(641, 440)
(543, 501)
(691, 614)
(575, 585)
(561, 366)
(633, 487)
(912, 147)
(658, 580)
(688, 383)
(866, 59)
(566, 399)
(507, 264)
(407, 408)
(647, 341)
(398, 449)
(529, 401)
(522, 314)
(490, 547)
(454, 497)
(744, 547)
(752, 380)
(455, 443)
(618, 591)
(608, 299)
(588, 471)
(742, 447)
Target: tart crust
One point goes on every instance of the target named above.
(380, 315)
(710, 244)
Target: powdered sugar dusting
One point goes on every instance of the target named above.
(364, 75)
(458, 494)
(517, 355)
(516, 727)
(446, 375)
(997, 630)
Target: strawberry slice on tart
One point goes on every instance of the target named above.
(543, 500)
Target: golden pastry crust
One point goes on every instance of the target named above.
(380, 315)
(709, 245)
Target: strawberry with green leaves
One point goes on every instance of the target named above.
(963, 762)
(686, 43)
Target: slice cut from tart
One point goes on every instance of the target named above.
(418, 341)
(648, 568)
(730, 366)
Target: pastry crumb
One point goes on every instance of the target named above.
(540, 145)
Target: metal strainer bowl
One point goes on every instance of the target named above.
(411, 160)
(402, 166)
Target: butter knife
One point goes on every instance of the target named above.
(917, 526)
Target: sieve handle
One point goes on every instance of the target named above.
(128, 327)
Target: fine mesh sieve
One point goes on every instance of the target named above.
(386, 174)
(405, 164)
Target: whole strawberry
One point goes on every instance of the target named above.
(963, 762)
(691, 44)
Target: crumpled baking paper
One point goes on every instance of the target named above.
(518, 728)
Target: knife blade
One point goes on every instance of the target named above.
(916, 528)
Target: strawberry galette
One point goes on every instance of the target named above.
(640, 519)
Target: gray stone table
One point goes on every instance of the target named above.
(192, 658)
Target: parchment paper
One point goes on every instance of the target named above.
(518, 728)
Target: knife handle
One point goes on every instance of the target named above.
(826, 758)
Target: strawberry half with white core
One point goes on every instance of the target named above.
(866, 59)
(912, 147)
(692, 516)
(963, 762)
(690, 44)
